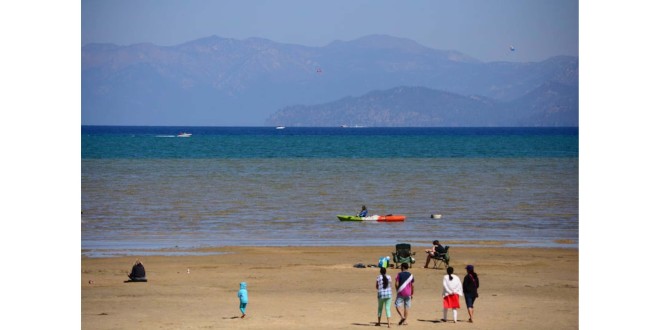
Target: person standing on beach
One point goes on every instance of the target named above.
(405, 290)
(470, 286)
(364, 212)
(243, 298)
(451, 290)
(384, 288)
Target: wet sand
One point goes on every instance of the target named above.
(318, 287)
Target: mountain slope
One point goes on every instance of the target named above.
(551, 104)
(221, 81)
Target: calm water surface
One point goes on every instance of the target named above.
(144, 189)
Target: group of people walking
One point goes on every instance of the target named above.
(452, 289)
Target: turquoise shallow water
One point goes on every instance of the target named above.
(144, 190)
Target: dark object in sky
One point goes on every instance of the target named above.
(513, 49)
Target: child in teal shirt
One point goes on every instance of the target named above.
(243, 298)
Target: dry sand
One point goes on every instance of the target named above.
(318, 287)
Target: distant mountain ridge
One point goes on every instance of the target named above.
(551, 104)
(221, 81)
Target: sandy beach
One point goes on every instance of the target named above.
(318, 287)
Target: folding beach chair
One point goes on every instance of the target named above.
(441, 256)
(403, 254)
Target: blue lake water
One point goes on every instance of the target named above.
(144, 189)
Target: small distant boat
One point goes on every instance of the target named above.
(182, 134)
(378, 218)
(436, 216)
(280, 127)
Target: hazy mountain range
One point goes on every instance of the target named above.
(551, 104)
(374, 81)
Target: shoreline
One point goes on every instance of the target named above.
(209, 250)
(318, 287)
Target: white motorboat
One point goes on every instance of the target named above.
(182, 134)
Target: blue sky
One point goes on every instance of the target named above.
(484, 29)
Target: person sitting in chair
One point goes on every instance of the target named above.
(434, 251)
(138, 273)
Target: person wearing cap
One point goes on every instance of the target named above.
(470, 286)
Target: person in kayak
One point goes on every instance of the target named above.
(364, 212)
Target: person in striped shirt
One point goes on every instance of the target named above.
(405, 290)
